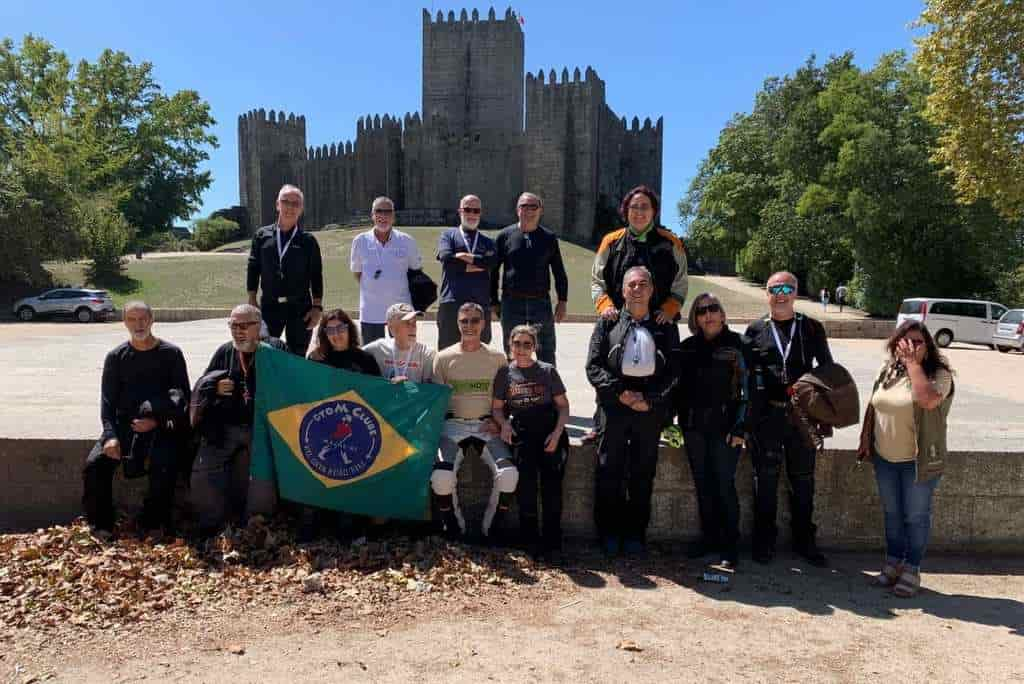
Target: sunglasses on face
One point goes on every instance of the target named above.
(290, 203)
(336, 329)
(384, 211)
(914, 343)
(530, 207)
(470, 210)
(470, 321)
(640, 207)
(522, 344)
(707, 308)
(242, 326)
(783, 289)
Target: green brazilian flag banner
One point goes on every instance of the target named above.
(345, 441)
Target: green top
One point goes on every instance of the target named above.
(641, 236)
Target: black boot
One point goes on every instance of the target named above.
(809, 551)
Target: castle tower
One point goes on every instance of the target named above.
(267, 147)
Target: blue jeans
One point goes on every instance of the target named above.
(907, 505)
(536, 312)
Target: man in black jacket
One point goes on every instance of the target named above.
(786, 345)
(285, 260)
(529, 255)
(143, 402)
(227, 394)
(632, 363)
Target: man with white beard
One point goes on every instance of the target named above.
(222, 411)
(143, 401)
(467, 258)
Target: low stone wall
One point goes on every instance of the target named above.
(979, 505)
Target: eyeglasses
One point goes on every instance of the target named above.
(470, 321)
(470, 210)
(242, 326)
(707, 308)
(293, 204)
(335, 329)
(530, 207)
(640, 207)
(523, 344)
(783, 289)
(383, 211)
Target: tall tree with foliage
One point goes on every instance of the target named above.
(97, 135)
(973, 56)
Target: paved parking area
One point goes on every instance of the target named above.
(52, 372)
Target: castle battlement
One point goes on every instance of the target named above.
(485, 127)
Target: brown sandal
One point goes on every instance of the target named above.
(908, 584)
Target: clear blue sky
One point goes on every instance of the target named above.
(695, 63)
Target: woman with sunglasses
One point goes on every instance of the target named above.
(904, 435)
(530, 407)
(337, 345)
(712, 404)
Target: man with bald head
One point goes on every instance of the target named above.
(786, 344)
(467, 257)
(529, 255)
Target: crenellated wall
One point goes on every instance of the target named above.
(482, 130)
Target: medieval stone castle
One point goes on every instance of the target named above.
(470, 137)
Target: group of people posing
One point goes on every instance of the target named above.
(727, 392)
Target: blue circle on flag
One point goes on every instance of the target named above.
(340, 439)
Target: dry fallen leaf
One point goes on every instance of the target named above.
(629, 645)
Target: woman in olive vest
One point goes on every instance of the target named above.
(904, 435)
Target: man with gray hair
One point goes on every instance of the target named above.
(529, 254)
(285, 263)
(143, 403)
(223, 408)
(380, 262)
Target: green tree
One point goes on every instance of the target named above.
(972, 56)
(210, 233)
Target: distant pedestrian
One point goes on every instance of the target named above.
(824, 299)
(467, 257)
(285, 263)
(380, 262)
(529, 254)
(904, 436)
(841, 294)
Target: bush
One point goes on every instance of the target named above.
(211, 233)
(106, 234)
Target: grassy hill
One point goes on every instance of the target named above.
(217, 279)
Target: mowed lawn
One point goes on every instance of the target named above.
(217, 279)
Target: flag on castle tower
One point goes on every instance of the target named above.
(522, 20)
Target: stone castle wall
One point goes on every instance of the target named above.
(483, 129)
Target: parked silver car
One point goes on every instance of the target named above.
(1009, 332)
(84, 305)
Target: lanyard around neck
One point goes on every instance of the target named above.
(403, 367)
(789, 344)
(282, 251)
(476, 236)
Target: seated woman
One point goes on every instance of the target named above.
(904, 435)
(337, 345)
(530, 406)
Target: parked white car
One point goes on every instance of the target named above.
(963, 320)
(1009, 332)
(84, 305)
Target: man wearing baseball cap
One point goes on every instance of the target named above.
(401, 358)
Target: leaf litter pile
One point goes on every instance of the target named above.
(67, 577)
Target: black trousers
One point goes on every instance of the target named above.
(713, 464)
(777, 442)
(158, 505)
(538, 466)
(289, 319)
(627, 459)
(448, 325)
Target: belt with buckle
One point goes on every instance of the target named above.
(282, 300)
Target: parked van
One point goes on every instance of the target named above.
(963, 320)
(1009, 332)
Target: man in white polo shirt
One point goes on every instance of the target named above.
(380, 261)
